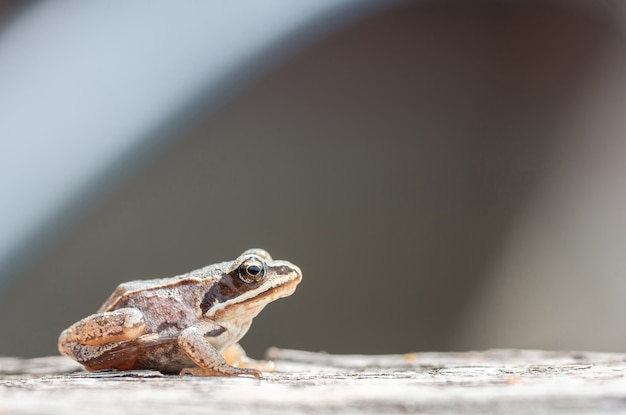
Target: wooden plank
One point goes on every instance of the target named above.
(489, 382)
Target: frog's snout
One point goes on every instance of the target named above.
(288, 271)
(297, 271)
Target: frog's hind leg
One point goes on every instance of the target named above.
(84, 339)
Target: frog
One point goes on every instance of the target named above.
(188, 324)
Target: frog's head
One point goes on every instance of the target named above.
(248, 284)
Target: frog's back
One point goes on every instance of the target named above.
(127, 290)
(130, 289)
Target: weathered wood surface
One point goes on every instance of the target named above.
(490, 382)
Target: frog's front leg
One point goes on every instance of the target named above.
(90, 336)
(196, 342)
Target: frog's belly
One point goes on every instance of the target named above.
(163, 355)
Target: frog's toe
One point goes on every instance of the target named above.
(240, 371)
(253, 372)
(264, 365)
(232, 371)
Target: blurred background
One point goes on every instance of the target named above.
(449, 175)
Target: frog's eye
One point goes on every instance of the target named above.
(251, 270)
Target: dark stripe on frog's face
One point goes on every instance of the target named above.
(229, 286)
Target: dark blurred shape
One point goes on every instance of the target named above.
(8, 9)
(389, 161)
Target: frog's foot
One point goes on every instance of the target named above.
(195, 343)
(236, 356)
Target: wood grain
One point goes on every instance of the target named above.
(489, 382)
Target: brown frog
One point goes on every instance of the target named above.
(188, 324)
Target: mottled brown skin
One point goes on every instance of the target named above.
(189, 324)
